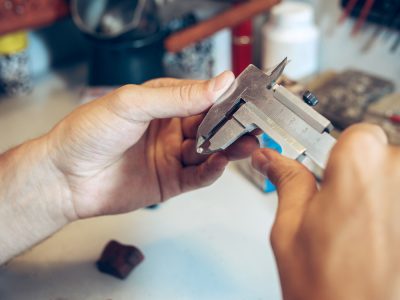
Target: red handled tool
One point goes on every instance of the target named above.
(347, 10)
(363, 16)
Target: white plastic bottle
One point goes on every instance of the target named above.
(222, 52)
(292, 33)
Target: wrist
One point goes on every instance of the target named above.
(32, 197)
(61, 184)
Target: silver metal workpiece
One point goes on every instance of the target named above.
(255, 100)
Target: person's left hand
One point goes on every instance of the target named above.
(126, 150)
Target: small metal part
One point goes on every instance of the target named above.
(301, 109)
(255, 100)
(310, 98)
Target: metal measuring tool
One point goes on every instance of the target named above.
(255, 100)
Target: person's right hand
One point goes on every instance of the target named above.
(342, 241)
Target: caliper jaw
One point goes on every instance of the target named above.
(220, 114)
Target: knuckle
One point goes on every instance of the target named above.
(183, 95)
(184, 92)
(116, 103)
(193, 97)
(126, 90)
(127, 103)
(156, 82)
(282, 176)
(123, 95)
(206, 93)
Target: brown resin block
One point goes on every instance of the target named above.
(119, 260)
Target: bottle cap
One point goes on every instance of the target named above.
(289, 14)
(13, 42)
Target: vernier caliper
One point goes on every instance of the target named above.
(255, 100)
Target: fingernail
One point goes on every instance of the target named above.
(221, 83)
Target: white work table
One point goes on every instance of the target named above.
(209, 244)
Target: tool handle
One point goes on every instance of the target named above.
(363, 16)
(347, 10)
(229, 18)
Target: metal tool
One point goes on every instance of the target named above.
(388, 20)
(365, 11)
(347, 10)
(255, 100)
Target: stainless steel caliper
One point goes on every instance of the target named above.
(255, 100)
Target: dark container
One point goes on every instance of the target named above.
(125, 39)
(118, 62)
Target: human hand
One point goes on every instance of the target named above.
(129, 150)
(341, 241)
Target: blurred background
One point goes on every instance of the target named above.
(56, 53)
(209, 244)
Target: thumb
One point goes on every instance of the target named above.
(145, 103)
(295, 186)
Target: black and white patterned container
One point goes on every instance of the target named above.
(15, 78)
(195, 62)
